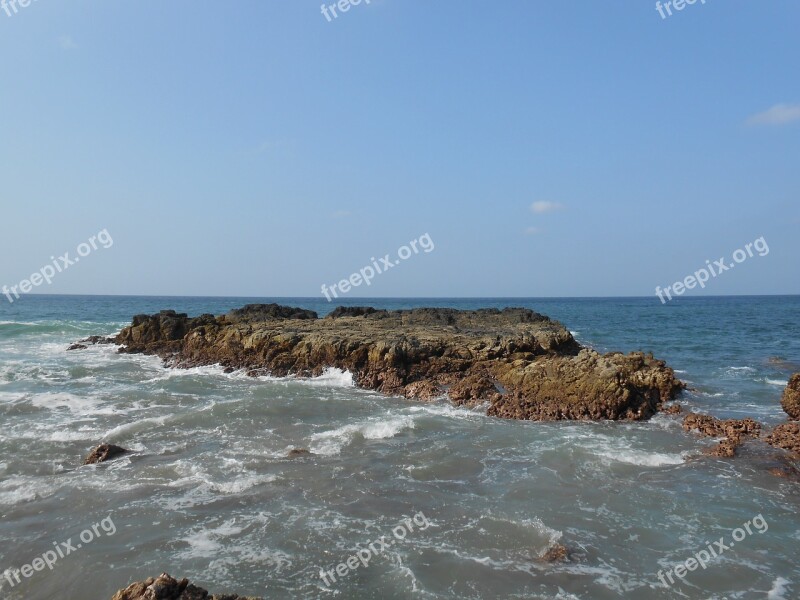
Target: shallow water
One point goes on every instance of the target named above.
(210, 494)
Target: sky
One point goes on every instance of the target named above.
(260, 148)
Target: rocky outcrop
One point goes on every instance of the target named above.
(791, 397)
(165, 587)
(786, 436)
(523, 363)
(734, 432)
(104, 452)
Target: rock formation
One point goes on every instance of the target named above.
(165, 587)
(523, 364)
(791, 397)
(102, 453)
(734, 432)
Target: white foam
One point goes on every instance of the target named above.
(778, 590)
(779, 382)
(332, 442)
(78, 405)
(135, 425)
(332, 377)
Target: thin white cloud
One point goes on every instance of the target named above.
(780, 114)
(532, 231)
(67, 43)
(543, 206)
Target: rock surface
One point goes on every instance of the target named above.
(786, 436)
(791, 397)
(165, 587)
(524, 364)
(734, 432)
(104, 452)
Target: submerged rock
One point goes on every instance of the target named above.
(77, 347)
(298, 452)
(165, 587)
(104, 452)
(526, 365)
(791, 397)
(734, 432)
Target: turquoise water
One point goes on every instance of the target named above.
(209, 493)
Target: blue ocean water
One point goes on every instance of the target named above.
(209, 493)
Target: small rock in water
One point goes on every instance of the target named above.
(104, 452)
(298, 452)
(555, 553)
(165, 587)
(77, 347)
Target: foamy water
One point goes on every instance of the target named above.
(210, 493)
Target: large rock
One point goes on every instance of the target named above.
(791, 397)
(165, 587)
(786, 436)
(526, 365)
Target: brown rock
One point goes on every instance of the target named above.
(473, 390)
(298, 452)
(672, 409)
(104, 452)
(555, 553)
(786, 436)
(165, 587)
(542, 372)
(791, 397)
(735, 431)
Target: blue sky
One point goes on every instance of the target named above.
(254, 148)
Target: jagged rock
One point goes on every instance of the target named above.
(786, 436)
(735, 431)
(535, 367)
(97, 339)
(298, 452)
(165, 587)
(473, 390)
(422, 390)
(77, 347)
(555, 553)
(672, 409)
(104, 452)
(353, 311)
(791, 397)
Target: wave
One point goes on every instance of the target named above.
(779, 382)
(332, 442)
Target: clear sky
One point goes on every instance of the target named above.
(252, 147)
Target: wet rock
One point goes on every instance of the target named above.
(555, 553)
(422, 390)
(734, 432)
(165, 587)
(672, 409)
(77, 347)
(97, 339)
(294, 452)
(473, 390)
(786, 436)
(104, 452)
(791, 397)
(526, 365)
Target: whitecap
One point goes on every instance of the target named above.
(779, 382)
(331, 442)
(778, 590)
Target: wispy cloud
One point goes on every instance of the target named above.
(532, 231)
(67, 43)
(543, 206)
(780, 114)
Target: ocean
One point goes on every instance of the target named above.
(210, 494)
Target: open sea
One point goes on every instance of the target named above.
(210, 494)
